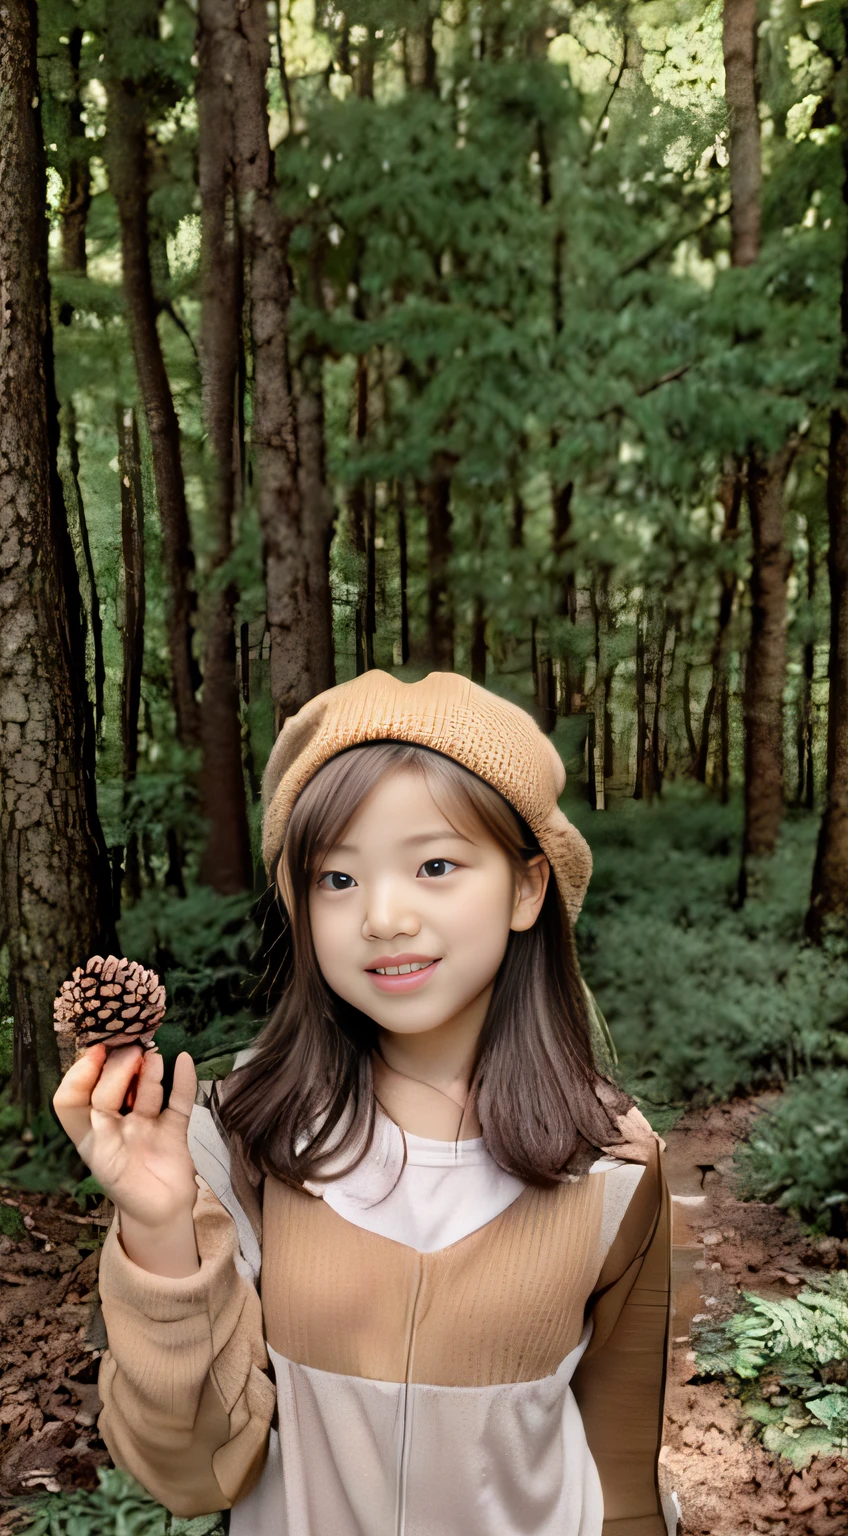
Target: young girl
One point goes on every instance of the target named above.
(405, 1272)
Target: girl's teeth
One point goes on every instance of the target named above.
(403, 970)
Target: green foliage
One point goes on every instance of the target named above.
(787, 1360)
(704, 1000)
(119, 1506)
(203, 947)
(797, 1154)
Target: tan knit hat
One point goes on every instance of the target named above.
(495, 739)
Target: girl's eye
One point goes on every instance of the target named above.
(333, 874)
(437, 861)
(337, 874)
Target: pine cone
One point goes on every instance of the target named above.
(112, 1001)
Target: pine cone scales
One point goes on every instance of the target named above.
(114, 1001)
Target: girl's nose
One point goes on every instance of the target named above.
(388, 911)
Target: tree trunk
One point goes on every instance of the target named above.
(77, 199)
(765, 674)
(766, 665)
(131, 26)
(658, 752)
(274, 432)
(55, 881)
(730, 495)
(435, 499)
(319, 518)
(687, 716)
(604, 667)
(74, 211)
(740, 91)
(95, 622)
(642, 787)
(804, 736)
(403, 572)
(227, 862)
(828, 908)
(132, 629)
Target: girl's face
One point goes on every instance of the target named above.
(404, 886)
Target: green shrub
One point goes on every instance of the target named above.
(704, 1000)
(787, 1363)
(119, 1506)
(797, 1154)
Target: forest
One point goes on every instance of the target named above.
(507, 337)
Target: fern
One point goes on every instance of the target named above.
(788, 1356)
(119, 1506)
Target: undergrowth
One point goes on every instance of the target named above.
(119, 1506)
(704, 1000)
(797, 1154)
(786, 1361)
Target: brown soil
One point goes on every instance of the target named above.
(51, 1340)
(727, 1484)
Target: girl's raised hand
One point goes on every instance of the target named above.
(141, 1160)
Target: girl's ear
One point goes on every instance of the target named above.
(530, 892)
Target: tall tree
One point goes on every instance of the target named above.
(770, 561)
(297, 626)
(132, 628)
(55, 906)
(828, 908)
(131, 27)
(227, 863)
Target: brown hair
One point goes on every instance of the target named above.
(534, 1079)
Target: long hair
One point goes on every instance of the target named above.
(533, 1080)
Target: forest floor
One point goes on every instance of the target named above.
(726, 1483)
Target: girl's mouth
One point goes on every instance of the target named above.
(408, 983)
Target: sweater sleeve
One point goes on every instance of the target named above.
(620, 1382)
(187, 1398)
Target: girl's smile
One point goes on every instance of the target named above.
(409, 983)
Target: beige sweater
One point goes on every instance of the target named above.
(504, 1374)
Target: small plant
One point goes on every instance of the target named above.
(797, 1155)
(119, 1506)
(787, 1362)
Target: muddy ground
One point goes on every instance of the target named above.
(727, 1485)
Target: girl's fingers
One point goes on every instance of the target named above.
(118, 1072)
(72, 1099)
(184, 1087)
(107, 1127)
(148, 1094)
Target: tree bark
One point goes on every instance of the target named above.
(319, 517)
(642, 787)
(766, 665)
(435, 500)
(55, 885)
(804, 736)
(765, 674)
(227, 861)
(403, 572)
(740, 90)
(730, 495)
(274, 433)
(130, 26)
(132, 629)
(828, 908)
(77, 196)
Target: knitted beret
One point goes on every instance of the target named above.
(496, 740)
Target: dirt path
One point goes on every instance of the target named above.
(727, 1484)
